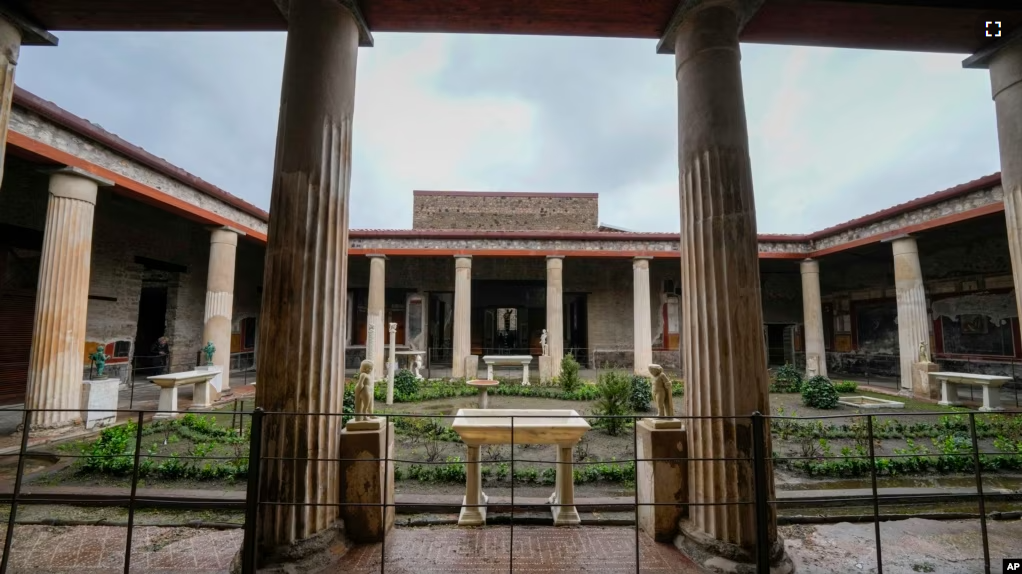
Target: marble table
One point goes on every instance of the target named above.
(991, 385)
(171, 382)
(513, 360)
(563, 428)
(411, 357)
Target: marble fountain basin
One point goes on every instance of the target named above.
(536, 426)
(870, 403)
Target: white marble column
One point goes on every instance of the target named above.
(555, 308)
(10, 46)
(391, 362)
(62, 299)
(722, 318)
(462, 314)
(643, 321)
(812, 319)
(223, 247)
(913, 327)
(303, 304)
(375, 311)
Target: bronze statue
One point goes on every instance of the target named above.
(99, 357)
(364, 391)
(209, 349)
(662, 392)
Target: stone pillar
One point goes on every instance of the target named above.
(812, 319)
(376, 304)
(223, 247)
(722, 317)
(10, 46)
(462, 315)
(391, 362)
(643, 322)
(555, 307)
(62, 301)
(913, 327)
(304, 300)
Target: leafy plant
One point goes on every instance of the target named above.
(642, 394)
(569, 379)
(819, 393)
(406, 386)
(615, 390)
(846, 386)
(788, 379)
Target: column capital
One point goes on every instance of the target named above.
(809, 265)
(983, 58)
(744, 9)
(72, 171)
(642, 258)
(32, 33)
(376, 256)
(462, 261)
(75, 183)
(365, 36)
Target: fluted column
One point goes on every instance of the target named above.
(643, 322)
(722, 318)
(375, 311)
(62, 300)
(462, 314)
(10, 46)
(913, 325)
(305, 279)
(555, 308)
(812, 319)
(223, 247)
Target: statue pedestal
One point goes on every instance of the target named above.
(548, 368)
(662, 481)
(205, 394)
(362, 481)
(922, 385)
(99, 402)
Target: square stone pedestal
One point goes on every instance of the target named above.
(471, 367)
(99, 402)
(205, 394)
(362, 482)
(922, 385)
(662, 481)
(548, 368)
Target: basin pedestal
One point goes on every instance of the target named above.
(473, 510)
(367, 479)
(661, 480)
(563, 498)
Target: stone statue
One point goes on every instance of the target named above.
(209, 349)
(542, 342)
(417, 366)
(99, 357)
(662, 392)
(924, 357)
(364, 391)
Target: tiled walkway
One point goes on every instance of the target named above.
(537, 549)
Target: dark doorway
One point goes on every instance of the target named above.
(780, 344)
(576, 327)
(440, 319)
(152, 324)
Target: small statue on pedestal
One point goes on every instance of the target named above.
(99, 357)
(542, 342)
(417, 367)
(662, 392)
(364, 392)
(924, 357)
(209, 350)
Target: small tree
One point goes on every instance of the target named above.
(787, 380)
(406, 386)
(819, 393)
(642, 394)
(615, 395)
(569, 378)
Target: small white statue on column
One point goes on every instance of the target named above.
(417, 367)
(391, 364)
(542, 342)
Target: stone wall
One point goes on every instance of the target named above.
(505, 211)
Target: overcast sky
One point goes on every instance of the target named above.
(835, 134)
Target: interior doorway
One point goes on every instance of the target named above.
(152, 324)
(780, 343)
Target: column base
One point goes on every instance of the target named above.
(363, 482)
(308, 555)
(662, 481)
(726, 558)
(473, 516)
(563, 515)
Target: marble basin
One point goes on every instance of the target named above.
(536, 426)
(870, 403)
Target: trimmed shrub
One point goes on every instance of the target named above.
(787, 380)
(846, 386)
(615, 390)
(569, 378)
(642, 394)
(819, 393)
(406, 386)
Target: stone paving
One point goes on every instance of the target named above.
(450, 550)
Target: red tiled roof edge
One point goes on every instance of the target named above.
(66, 119)
(419, 193)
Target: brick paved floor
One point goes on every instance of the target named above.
(538, 549)
(100, 549)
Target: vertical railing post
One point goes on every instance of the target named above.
(383, 519)
(759, 469)
(511, 547)
(26, 423)
(255, 448)
(979, 491)
(134, 492)
(876, 499)
(635, 463)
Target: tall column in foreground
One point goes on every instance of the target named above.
(643, 321)
(305, 277)
(375, 310)
(555, 309)
(913, 324)
(722, 318)
(10, 47)
(223, 247)
(462, 314)
(812, 319)
(62, 300)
